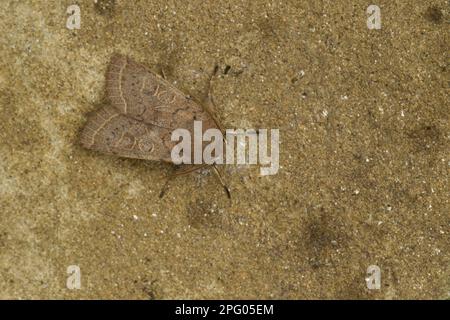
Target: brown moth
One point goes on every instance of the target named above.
(144, 109)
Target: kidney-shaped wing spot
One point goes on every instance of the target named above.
(110, 132)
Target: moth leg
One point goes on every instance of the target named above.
(250, 132)
(189, 169)
(219, 176)
(184, 170)
(162, 71)
(165, 186)
(179, 172)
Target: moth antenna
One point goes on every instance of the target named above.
(209, 105)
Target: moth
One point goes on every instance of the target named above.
(143, 110)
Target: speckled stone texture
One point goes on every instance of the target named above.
(364, 178)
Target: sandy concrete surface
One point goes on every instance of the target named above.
(364, 178)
